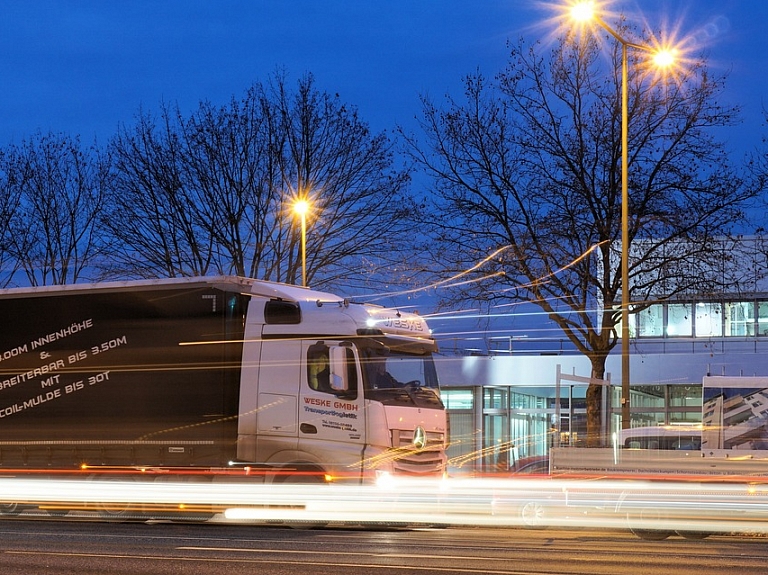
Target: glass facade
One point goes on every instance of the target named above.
(515, 422)
(494, 426)
(703, 319)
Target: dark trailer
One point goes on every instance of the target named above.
(121, 374)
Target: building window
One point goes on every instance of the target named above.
(457, 398)
(740, 319)
(762, 318)
(650, 322)
(680, 320)
(709, 320)
(462, 452)
(704, 319)
(685, 396)
(495, 398)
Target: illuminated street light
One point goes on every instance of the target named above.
(664, 58)
(585, 12)
(300, 208)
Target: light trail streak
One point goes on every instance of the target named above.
(447, 281)
(453, 280)
(704, 505)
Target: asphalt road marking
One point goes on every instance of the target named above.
(341, 553)
(262, 561)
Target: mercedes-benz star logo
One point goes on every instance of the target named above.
(419, 438)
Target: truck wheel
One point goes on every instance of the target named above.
(111, 511)
(693, 534)
(644, 522)
(651, 534)
(10, 509)
(309, 476)
(533, 515)
(115, 512)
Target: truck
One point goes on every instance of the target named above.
(215, 374)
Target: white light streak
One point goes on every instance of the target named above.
(706, 505)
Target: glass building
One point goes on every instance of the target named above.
(511, 398)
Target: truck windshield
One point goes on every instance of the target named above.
(397, 377)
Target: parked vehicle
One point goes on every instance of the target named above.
(674, 437)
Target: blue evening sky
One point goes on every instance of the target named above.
(85, 66)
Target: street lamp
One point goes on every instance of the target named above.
(583, 12)
(300, 208)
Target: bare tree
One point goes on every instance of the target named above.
(57, 187)
(529, 165)
(150, 216)
(9, 204)
(213, 192)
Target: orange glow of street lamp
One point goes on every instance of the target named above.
(301, 207)
(586, 11)
(665, 57)
(583, 11)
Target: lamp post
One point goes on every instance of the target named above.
(301, 207)
(583, 12)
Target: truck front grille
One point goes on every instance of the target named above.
(412, 461)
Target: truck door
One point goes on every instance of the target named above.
(331, 415)
(279, 373)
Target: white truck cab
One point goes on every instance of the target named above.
(342, 388)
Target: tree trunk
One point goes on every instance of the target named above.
(596, 435)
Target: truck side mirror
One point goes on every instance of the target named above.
(339, 381)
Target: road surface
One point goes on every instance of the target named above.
(32, 547)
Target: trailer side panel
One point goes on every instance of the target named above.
(145, 376)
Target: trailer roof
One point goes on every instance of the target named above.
(245, 285)
(364, 316)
